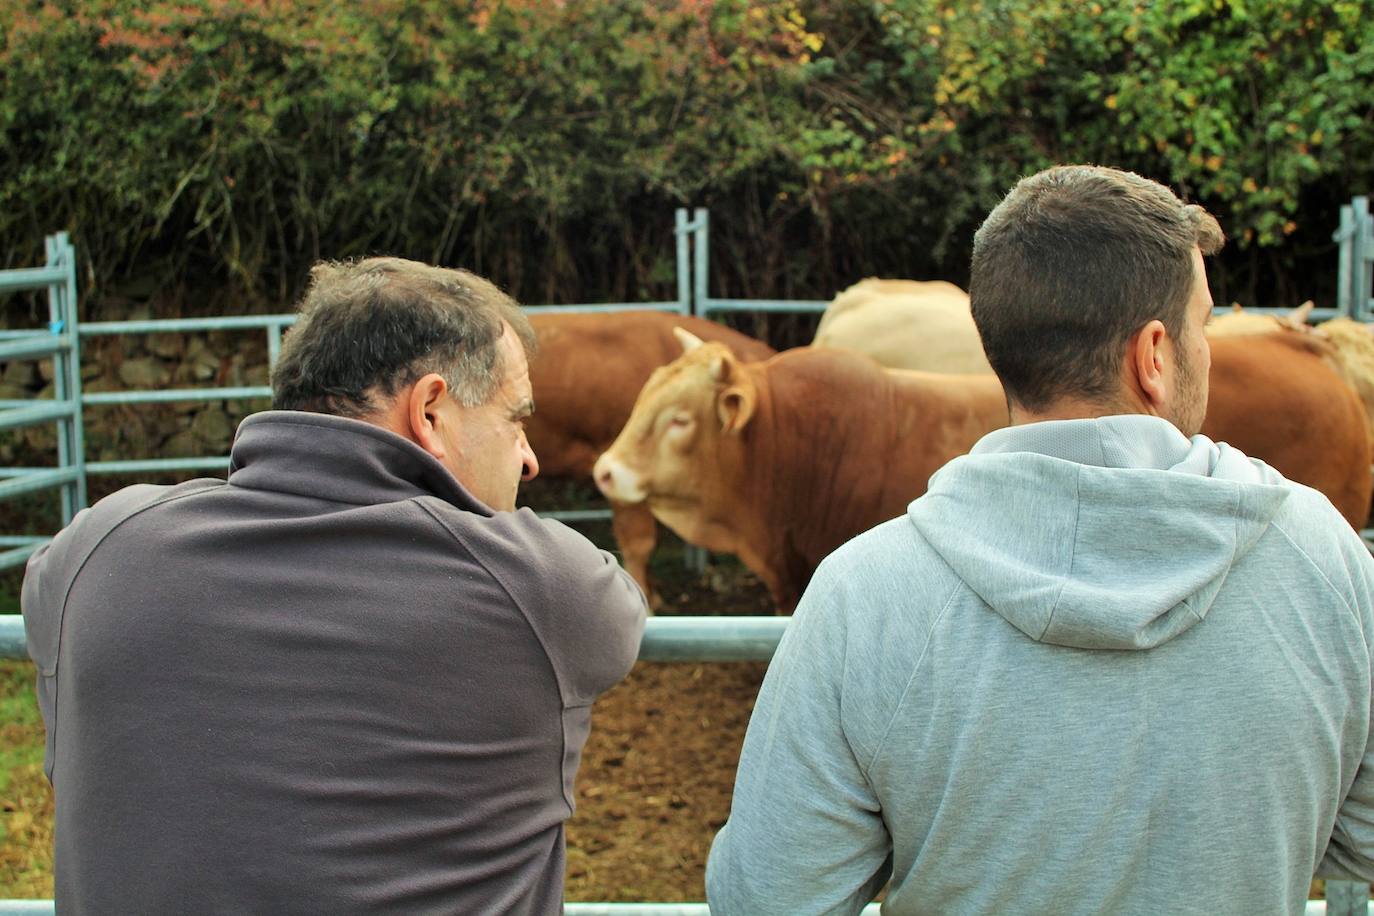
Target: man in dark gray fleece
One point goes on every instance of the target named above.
(350, 678)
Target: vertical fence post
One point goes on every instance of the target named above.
(62, 317)
(1362, 261)
(1345, 276)
(273, 345)
(681, 232)
(701, 242)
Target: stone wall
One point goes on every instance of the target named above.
(115, 432)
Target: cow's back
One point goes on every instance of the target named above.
(838, 445)
(1276, 398)
(588, 370)
(906, 324)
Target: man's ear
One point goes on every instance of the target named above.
(1146, 354)
(421, 402)
(735, 407)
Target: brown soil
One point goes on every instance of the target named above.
(659, 766)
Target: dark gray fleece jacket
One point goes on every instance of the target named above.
(337, 683)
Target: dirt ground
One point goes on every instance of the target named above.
(659, 766)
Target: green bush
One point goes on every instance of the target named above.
(210, 150)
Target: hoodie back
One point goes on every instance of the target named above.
(1097, 668)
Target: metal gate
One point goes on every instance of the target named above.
(60, 342)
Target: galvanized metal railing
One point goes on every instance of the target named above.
(705, 305)
(684, 639)
(1355, 271)
(1355, 284)
(666, 639)
(60, 342)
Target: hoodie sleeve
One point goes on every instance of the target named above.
(1350, 853)
(805, 833)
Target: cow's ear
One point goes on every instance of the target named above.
(735, 406)
(688, 340)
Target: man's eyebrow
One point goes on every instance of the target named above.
(524, 409)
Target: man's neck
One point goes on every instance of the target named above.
(1079, 409)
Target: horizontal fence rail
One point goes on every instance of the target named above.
(676, 639)
(45, 908)
(666, 639)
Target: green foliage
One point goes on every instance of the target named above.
(230, 143)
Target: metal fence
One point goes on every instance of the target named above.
(59, 341)
(1355, 272)
(682, 639)
(1354, 299)
(699, 639)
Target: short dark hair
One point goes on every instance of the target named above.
(1069, 265)
(367, 329)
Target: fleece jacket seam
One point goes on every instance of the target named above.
(563, 691)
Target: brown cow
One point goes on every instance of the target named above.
(1281, 398)
(781, 462)
(586, 374)
(1350, 351)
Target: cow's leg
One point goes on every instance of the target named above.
(636, 532)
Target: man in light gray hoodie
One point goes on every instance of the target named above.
(1104, 665)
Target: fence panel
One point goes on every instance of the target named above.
(1355, 269)
(60, 342)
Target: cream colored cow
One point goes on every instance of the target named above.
(905, 324)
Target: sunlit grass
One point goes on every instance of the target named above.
(26, 812)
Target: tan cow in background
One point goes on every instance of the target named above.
(586, 375)
(782, 461)
(1351, 350)
(905, 324)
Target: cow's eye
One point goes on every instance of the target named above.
(680, 421)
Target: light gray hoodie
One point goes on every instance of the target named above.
(1098, 668)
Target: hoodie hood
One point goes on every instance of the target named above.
(1107, 533)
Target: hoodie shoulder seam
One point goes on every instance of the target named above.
(959, 587)
(1073, 550)
(1279, 527)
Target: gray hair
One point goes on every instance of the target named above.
(368, 329)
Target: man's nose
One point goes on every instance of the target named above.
(531, 469)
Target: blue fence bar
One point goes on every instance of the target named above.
(45, 908)
(60, 343)
(25, 278)
(35, 345)
(15, 417)
(167, 395)
(666, 639)
(38, 480)
(20, 555)
(186, 325)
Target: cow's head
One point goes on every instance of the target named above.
(672, 437)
